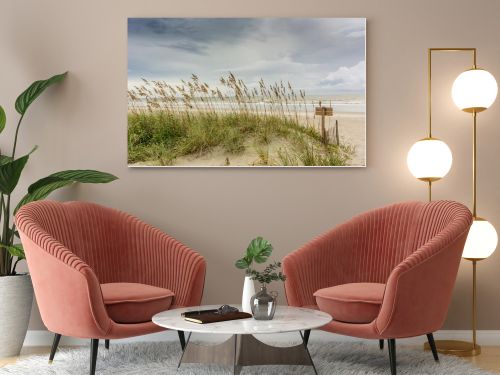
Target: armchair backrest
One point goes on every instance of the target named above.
(386, 236)
(379, 241)
(92, 232)
(368, 247)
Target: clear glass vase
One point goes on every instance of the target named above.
(263, 304)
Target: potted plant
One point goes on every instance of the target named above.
(16, 291)
(258, 251)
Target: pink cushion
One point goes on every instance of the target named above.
(135, 303)
(351, 303)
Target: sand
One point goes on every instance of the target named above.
(352, 129)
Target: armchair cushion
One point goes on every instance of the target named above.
(353, 302)
(133, 302)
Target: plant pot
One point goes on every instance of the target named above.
(248, 292)
(16, 298)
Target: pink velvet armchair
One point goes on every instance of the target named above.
(99, 273)
(385, 274)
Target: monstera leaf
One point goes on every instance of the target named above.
(258, 250)
(242, 263)
(43, 187)
(29, 95)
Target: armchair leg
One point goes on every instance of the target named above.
(55, 344)
(94, 345)
(307, 333)
(182, 339)
(381, 344)
(106, 344)
(432, 344)
(392, 355)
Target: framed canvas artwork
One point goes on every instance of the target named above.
(247, 92)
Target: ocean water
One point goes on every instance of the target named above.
(339, 103)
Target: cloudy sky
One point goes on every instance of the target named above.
(321, 56)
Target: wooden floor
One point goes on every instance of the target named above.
(488, 360)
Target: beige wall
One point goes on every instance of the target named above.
(82, 124)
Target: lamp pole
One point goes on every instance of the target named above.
(454, 347)
(429, 95)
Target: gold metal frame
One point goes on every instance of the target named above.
(454, 347)
(429, 97)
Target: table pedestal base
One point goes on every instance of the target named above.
(246, 350)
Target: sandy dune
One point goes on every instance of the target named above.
(351, 131)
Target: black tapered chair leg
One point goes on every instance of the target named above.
(432, 344)
(182, 339)
(94, 346)
(307, 333)
(381, 344)
(392, 355)
(106, 344)
(55, 344)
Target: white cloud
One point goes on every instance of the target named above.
(356, 34)
(347, 78)
(272, 49)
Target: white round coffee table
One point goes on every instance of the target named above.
(242, 348)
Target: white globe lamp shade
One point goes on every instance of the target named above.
(481, 241)
(429, 159)
(474, 90)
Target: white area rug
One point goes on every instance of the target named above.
(162, 358)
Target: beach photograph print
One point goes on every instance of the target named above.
(246, 92)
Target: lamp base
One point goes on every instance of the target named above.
(456, 348)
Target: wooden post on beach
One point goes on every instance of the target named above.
(323, 130)
(337, 137)
(323, 111)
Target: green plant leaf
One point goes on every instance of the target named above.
(43, 187)
(29, 95)
(42, 193)
(259, 250)
(86, 176)
(3, 119)
(4, 159)
(13, 233)
(15, 250)
(10, 172)
(242, 263)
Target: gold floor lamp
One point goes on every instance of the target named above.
(430, 159)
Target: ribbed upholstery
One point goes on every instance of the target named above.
(389, 245)
(87, 245)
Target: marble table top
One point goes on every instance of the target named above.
(286, 319)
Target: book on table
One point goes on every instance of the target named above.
(213, 316)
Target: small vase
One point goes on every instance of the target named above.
(264, 304)
(248, 292)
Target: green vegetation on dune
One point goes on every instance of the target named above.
(167, 122)
(160, 138)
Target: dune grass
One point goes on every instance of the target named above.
(166, 122)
